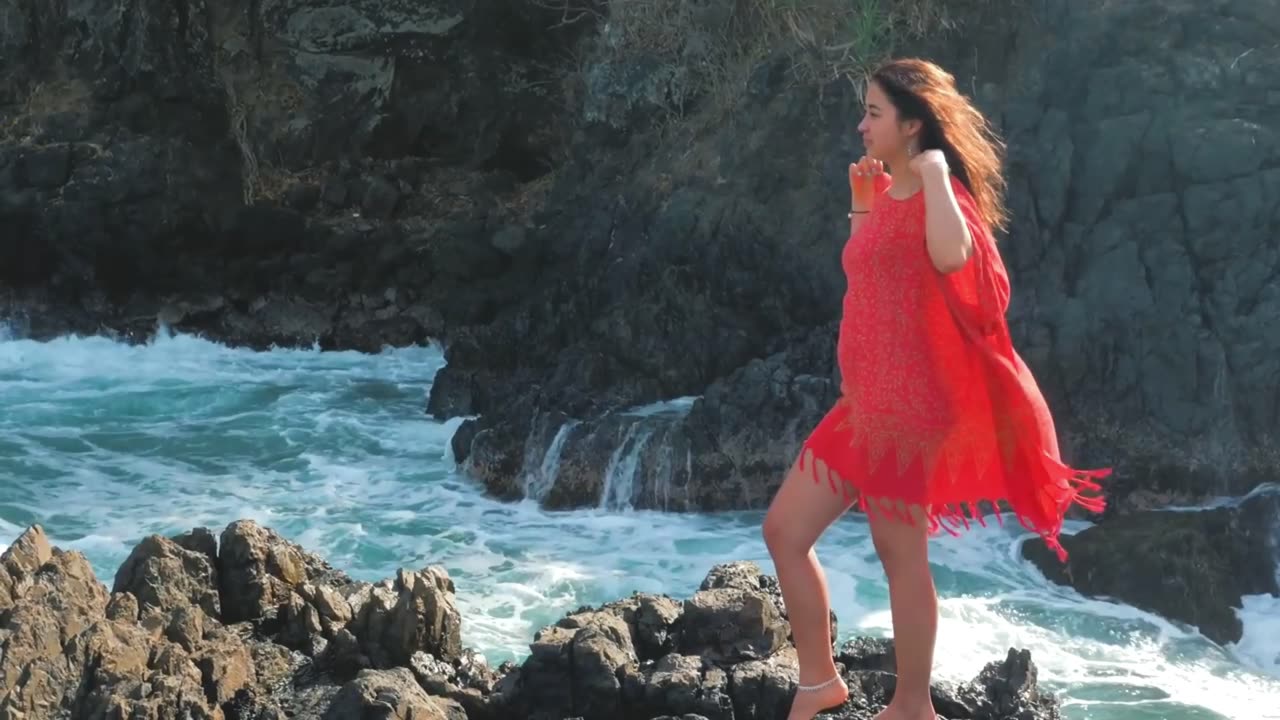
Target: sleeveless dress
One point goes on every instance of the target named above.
(936, 408)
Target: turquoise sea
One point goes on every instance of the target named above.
(103, 443)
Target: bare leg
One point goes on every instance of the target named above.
(913, 603)
(800, 512)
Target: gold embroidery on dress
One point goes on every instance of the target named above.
(967, 447)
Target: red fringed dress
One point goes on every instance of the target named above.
(937, 409)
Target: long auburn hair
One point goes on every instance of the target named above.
(921, 90)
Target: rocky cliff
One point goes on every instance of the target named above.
(596, 215)
(248, 626)
(270, 172)
(1145, 180)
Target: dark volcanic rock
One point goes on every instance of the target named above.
(588, 665)
(1190, 566)
(1144, 264)
(156, 159)
(359, 174)
(71, 649)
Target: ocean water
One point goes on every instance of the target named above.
(103, 443)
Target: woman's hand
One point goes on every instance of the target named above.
(927, 161)
(866, 178)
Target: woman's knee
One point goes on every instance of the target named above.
(774, 530)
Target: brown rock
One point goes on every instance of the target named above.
(390, 695)
(19, 563)
(226, 665)
(186, 627)
(28, 553)
(259, 571)
(123, 607)
(162, 574)
(414, 613)
(60, 601)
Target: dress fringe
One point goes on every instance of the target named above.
(1063, 487)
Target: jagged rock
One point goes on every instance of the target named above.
(390, 695)
(163, 575)
(685, 275)
(415, 613)
(730, 625)
(355, 174)
(186, 627)
(171, 652)
(1193, 567)
(259, 571)
(60, 653)
(322, 612)
(583, 667)
(679, 684)
(60, 600)
(19, 563)
(763, 688)
(747, 576)
(70, 649)
(226, 665)
(653, 622)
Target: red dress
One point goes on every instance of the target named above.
(937, 409)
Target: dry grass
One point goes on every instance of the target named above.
(716, 45)
(58, 96)
(45, 99)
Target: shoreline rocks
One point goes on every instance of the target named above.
(1190, 566)
(249, 626)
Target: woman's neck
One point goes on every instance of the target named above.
(905, 182)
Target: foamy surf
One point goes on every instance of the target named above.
(104, 443)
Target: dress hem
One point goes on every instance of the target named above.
(1065, 486)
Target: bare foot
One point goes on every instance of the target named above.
(808, 703)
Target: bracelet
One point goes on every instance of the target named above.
(857, 212)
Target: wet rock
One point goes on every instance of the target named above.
(1192, 566)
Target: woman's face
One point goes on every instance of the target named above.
(883, 137)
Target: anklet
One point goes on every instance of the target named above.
(819, 686)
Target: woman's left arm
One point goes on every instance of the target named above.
(946, 232)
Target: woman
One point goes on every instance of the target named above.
(937, 411)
